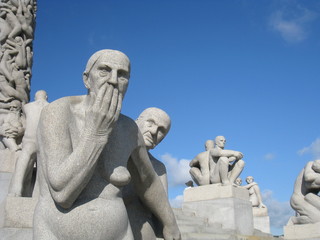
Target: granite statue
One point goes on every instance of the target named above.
(154, 124)
(305, 199)
(254, 193)
(21, 182)
(199, 166)
(17, 22)
(88, 152)
(225, 165)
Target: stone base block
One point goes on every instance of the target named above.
(262, 223)
(225, 205)
(302, 231)
(5, 179)
(17, 212)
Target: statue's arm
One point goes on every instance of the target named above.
(216, 152)
(152, 193)
(310, 175)
(258, 194)
(194, 162)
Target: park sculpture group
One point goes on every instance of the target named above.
(78, 169)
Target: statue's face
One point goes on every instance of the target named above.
(112, 69)
(238, 181)
(220, 141)
(153, 127)
(249, 180)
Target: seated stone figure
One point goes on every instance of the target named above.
(238, 181)
(305, 199)
(11, 127)
(85, 146)
(225, 165)
(154, 124)
(21, 182)
(254, 193)
(200, 171)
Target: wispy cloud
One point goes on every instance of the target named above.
(279, 212)
(178, 170)
(177, 201)
(292, 22)
(269, 156)
(313, 149)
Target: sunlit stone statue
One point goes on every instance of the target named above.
(154, 125)
(200, 171)
(238, 181)
(225, 165)
(305, 199)
(85, 146)
(21, 184)
(254, 193)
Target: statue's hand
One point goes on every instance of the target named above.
(103, 112)
(171, 232)
(239, 155)
(11, 132)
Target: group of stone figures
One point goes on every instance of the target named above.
(17, 18)
(95, 176)
(218, 165)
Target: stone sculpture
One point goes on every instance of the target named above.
(21, 182)
(238, 181)
(305, 199)
(17, 20)
(254, 193)
(200, 172)
(154, 124)
(85, 146)
(225, 165)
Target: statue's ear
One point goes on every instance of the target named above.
(86, 80)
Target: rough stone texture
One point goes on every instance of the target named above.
(8, 161)
(18, 212)
(227, 206)
(302, 231)
(15, 233)
(262, 223)
(4, 185)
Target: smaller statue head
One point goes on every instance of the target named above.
(41, 95)
(249, 179)
(154, 124)
(316, 166)
(238, 181)
(15, 106)
(220, 141)
(209, 145)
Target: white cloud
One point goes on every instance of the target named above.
(292, 23)
(177, 201)
(279, 212)
(269, 156)
(178, 170)
(313, 149)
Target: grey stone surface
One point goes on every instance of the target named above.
(227, 206)
(22, 179)
(4, 185)
(261, 223)
(85, 147)
(225, 165)
(302, 231)
(154, 124)
(17, 212)
(16, 234)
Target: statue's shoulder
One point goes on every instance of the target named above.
(62, 104)
(127, 122)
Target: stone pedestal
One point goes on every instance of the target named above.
(261, 220)
(302, 231)
(227, 206)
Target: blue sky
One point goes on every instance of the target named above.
(248, 70)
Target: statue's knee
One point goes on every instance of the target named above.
(241, 163)
(224, 160)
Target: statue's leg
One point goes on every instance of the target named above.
(223, 170)
(196, 175)
(21, 177)
(307, 212)
(236, 170)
